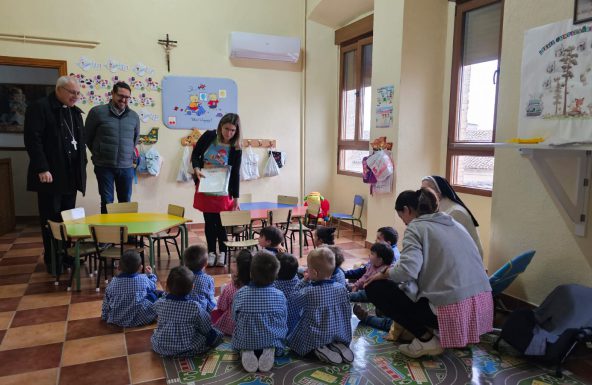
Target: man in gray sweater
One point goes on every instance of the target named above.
(112, 132)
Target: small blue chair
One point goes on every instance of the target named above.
(355, 216)
(501, 279)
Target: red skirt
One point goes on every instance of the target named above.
(211, 203)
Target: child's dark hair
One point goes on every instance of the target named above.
(264, 268)
(288, 266)
(180, 281)
(422, 201)
(273, 235)
(195, 257)
(326, 234)
(243, 268)
(389, 234)
(130, 262)
(384, 252)
(339, 258)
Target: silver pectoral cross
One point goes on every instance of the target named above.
(74, 143)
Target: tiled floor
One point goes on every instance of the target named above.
(51, 336)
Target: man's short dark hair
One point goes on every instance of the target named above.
(195, 257)
(273, 235)
(384, 252)
(180, 281)
(130, 262)
(119, 85)
(288, 266)
(264, 268)
(389, 234)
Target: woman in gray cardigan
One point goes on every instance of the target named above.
(438, 283)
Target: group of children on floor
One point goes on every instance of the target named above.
(265, 308)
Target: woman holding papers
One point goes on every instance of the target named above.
(214, 152)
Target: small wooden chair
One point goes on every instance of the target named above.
(170, 236)
(287, 200)
(71, 216)
(238, 218)
(122, 207)
(309, 224)
(281, 218)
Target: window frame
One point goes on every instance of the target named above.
(356, 45)
(457, 147)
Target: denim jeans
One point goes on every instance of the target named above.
(109, 178)
(380, 323)
(358, 296)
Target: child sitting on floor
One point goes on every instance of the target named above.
(324, 328)
(287, 282)
(184, 328)
(259, 311)
(222, 314)
(324, 236)
(338, 274)
(384, 234)
(381, 257)
(270, 239)
(196, 258)
(129, 296)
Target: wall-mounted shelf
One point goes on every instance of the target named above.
(540, 155)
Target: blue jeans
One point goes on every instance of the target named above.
(358, 296)
(110, 177)
(380, 323)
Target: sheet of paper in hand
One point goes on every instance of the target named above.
(215, 180)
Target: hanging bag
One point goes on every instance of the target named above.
(250, 165)
(185, 169)
(271, 167)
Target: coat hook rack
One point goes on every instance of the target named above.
(263, 143)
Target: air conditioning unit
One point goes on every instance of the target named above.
(246, 45)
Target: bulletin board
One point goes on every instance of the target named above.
(197, 102)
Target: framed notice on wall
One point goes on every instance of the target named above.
(196, 102)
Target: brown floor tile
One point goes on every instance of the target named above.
(7, 304)
(36, 245)
(7, 240)
(113, 372)
(86, 296)
(85, 310)
(17, 269)
(28, 238)
(30, 359)
(90, 349)
(8, 291)
(41, 377)
(151, 326)
(5, 318)
(42, 277)
(2, 333)
(145, 367)
(44, 287)
(10, 236)
(351, 245)
(40, 267)
(138, 342)
(90, 327)
(39, 316)
(44, 300)
(14, 278)
(34, 335)
(19, 261)
(28, 252)
(4, 247)
(162, 381)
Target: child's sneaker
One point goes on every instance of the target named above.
(417, 348)
(266, 360)
(325, 354)
(249, 361)
(211, 259)
(344, 351)
(221, 261)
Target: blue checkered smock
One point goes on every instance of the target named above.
(184, 328)
(203, 290)
(260, 314)
(339, 276)
(326, 317)
(289, 287)
(125, 303)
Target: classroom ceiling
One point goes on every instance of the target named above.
(337, 13)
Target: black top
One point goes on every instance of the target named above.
(234, 160)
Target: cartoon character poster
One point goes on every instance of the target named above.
(556, 91)
(196, 102)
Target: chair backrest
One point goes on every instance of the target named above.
(358, 206)
(313, 210)
(506, 274)
(245, 198)
(287, 200)
(279, 217)
(122, 207)
(58, 230)
(235, 218)
(73, 214)
(108, 233)
(178, 211)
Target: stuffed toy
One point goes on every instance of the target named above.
(316, 197)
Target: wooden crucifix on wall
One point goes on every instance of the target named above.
(168, 46)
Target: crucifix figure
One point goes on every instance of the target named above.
(168, 45)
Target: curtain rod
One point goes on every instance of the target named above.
(49, 40)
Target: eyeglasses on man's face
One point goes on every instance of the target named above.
(124, 97)
(72, 92)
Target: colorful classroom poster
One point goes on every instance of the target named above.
(555, 93)
(384, 106)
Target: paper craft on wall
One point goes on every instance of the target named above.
(556, 94)
(384, 106)
(189, 102)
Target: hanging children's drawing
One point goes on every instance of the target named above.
(556, 89)
(189, 102)
(384, 106)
